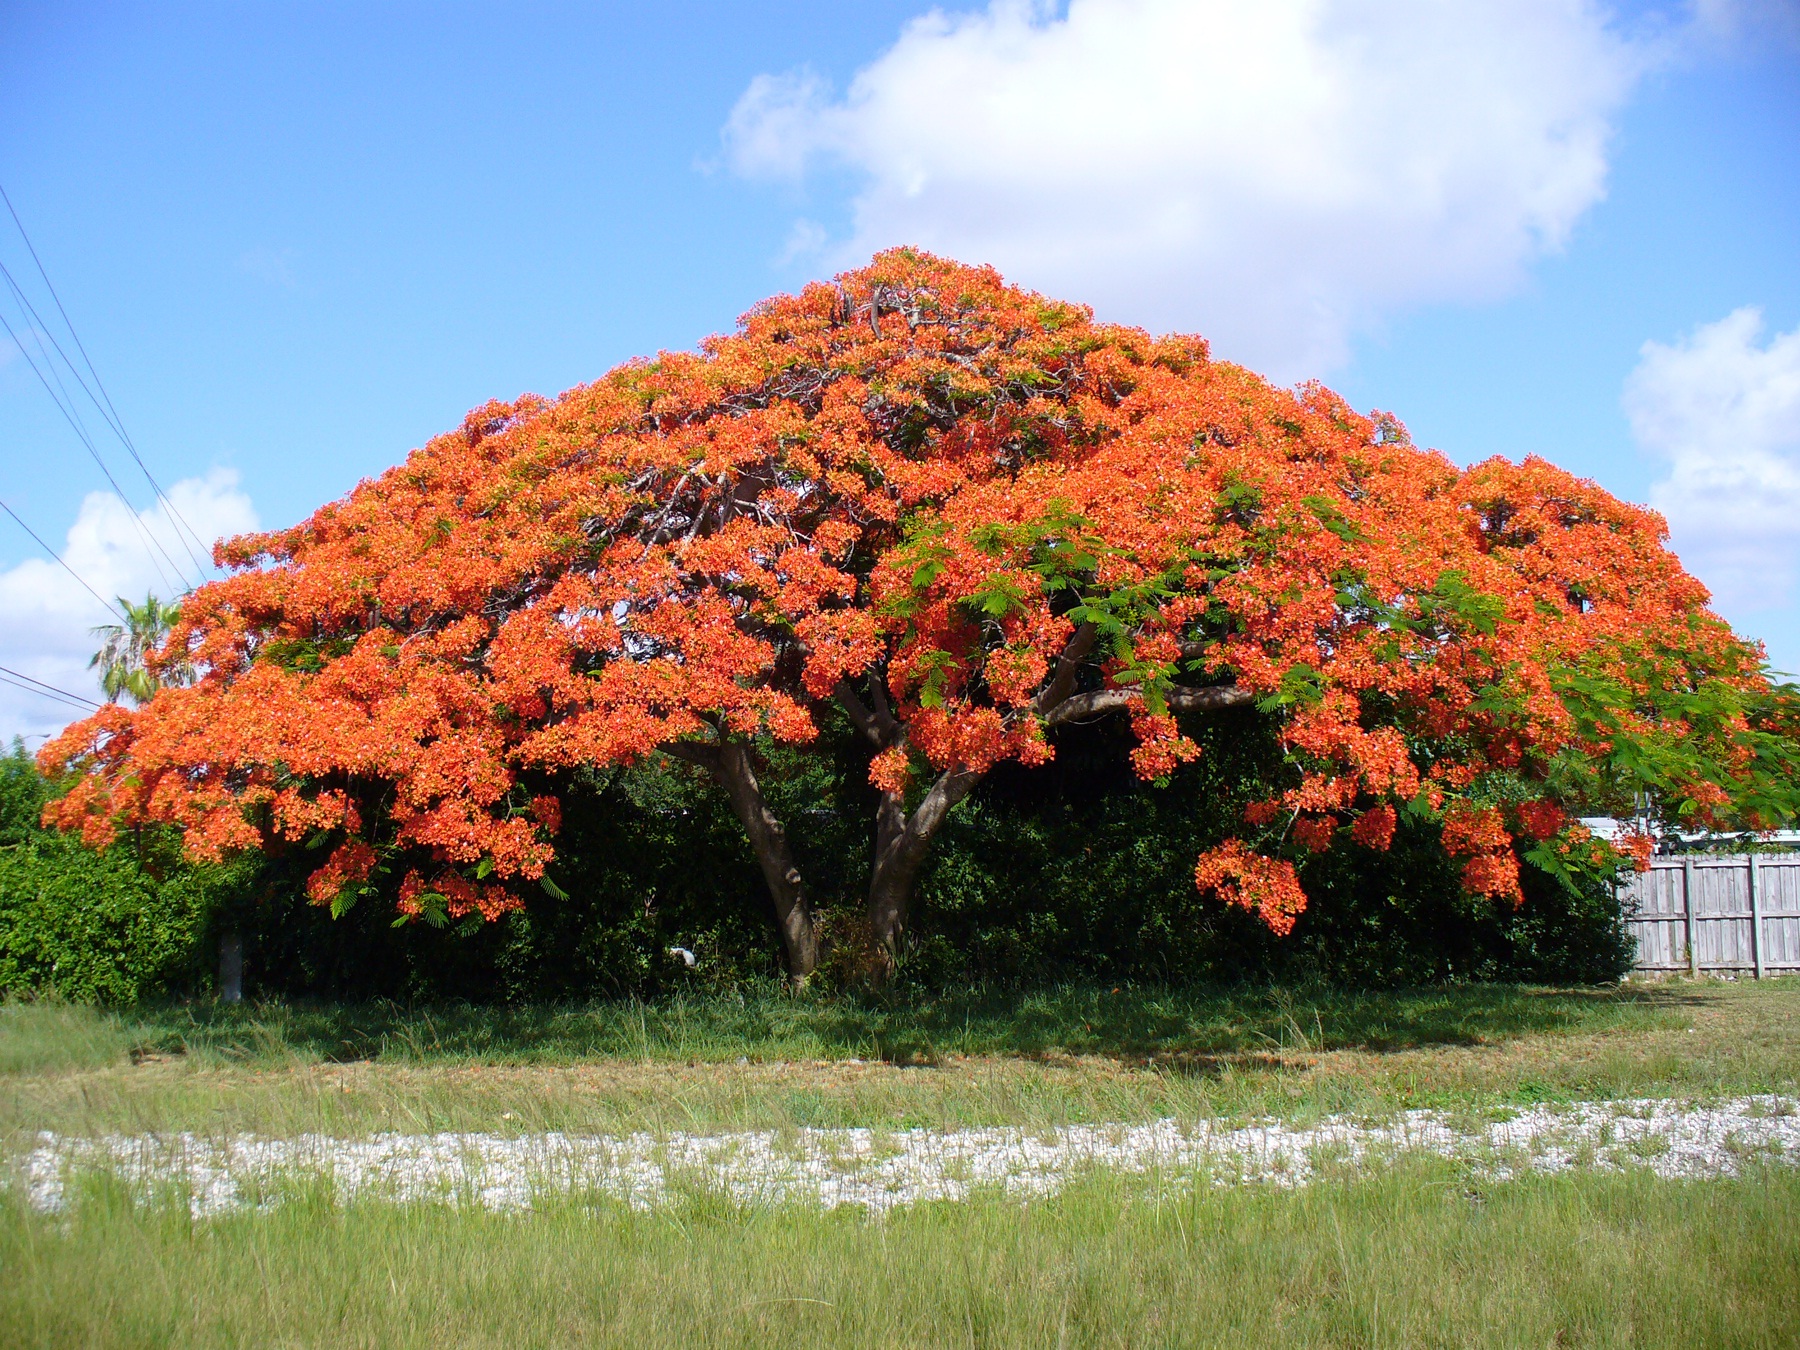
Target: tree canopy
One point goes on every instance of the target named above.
(961, 515)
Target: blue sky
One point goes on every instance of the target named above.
(297, 241)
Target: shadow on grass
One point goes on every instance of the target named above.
(1179, 1027)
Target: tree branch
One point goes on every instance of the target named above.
(877, 725)
(884, 716)
(694, 752)
(951, 787)
(1068, 666)
(858, 711)
(1102, 701)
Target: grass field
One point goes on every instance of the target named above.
(1419, 1254)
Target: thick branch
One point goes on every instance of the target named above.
(768, 838)
(728, 760)
(884, 715)
(901, 844)
(878, 725)
(1068, 667)
(858, 711)
(694, 752)
(951, 787)
(1180, 699)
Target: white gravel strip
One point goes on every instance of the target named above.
(881, 1170)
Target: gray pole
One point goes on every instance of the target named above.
(1756, 933)
(1687, 905)
(231, 968)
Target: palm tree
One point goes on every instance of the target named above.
(123, 659)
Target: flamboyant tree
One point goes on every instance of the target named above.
(965, 515)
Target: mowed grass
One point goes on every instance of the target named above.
(770, 1060)
(1415, 1256)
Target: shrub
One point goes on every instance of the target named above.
(1077, 871)
(1080, 871)
(97, 927)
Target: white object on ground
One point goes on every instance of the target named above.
(881, 1170)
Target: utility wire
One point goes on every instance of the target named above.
(63, 694)
(14, 684)
(58, 560)
(117, 422)
(40, 333)
(67, 704)
(81, 432)
(66, 405)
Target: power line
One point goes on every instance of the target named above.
(50, 688)
(42, 690)
(118, 422)
(40, 333)
(109, 412)
(74, 422)
(58, 560)
(73, 417)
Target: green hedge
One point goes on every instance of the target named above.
(96, 927)
(1072, 872)
(108, 927)
(1079, 870)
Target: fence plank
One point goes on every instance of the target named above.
(1687, 913)
(1756, 932)
(1734, 913)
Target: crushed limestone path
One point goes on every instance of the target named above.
(882, 1170)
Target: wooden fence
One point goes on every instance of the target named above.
(1732, 912)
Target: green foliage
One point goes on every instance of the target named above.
(1751, 732)
(647, 859)
(23, 793)
(1077, 870)
(109, 927)
(97, 926)
(1072, 872)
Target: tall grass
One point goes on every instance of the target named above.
(767, 1060)
(1413, 1257)
(764, 1025)
(1417, 1255)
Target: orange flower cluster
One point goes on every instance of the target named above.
(990, 514)
(1267, 887)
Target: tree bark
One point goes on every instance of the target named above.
(729, 763)
(1102, 701)
(902, 842)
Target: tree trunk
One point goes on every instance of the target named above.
(729, 762)
(901, 845)
(902, 841)
(891, 877)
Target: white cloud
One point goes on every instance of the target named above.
(1275, 175)
(806, 239)
(1723, 410)
(46, 615)
(1747, 22)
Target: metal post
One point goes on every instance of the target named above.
(1756, 934)
(1687, 909)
